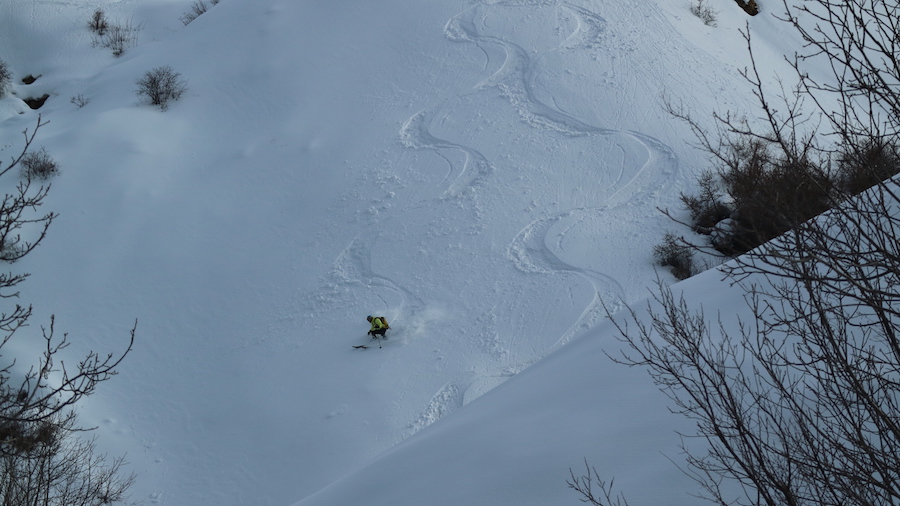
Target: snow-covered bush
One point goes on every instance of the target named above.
(5, 77)
(160, 86)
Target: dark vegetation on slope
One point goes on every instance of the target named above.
(798, 404)
(765, 182)
(757, 191)
(44, 457)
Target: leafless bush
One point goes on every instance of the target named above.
(703, 11)
(79, 100)
(866, 163)
(38, 165)
(707, 208)
(160, 86)
(51, 463)
(118, 37)
(5, 78)
(198, 8)
(675, 253)
(98, 23)
(772, 193)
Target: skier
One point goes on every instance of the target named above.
(379, 326)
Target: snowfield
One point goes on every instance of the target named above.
(484, 173)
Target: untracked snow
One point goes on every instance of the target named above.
(486, 174)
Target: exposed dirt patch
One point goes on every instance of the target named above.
(36, 103)
(749, 6)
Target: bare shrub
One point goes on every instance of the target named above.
(703, 11)
(866, 163)
(198, 8)
(79, 100)
(50, 463)
(160, 86)
(98, 23)
(118, 37)
(761, 191)
(707, 208)
(772, 193)
(5, 78)
(38, 165)
(675, 253)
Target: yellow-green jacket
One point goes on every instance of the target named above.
(377, 324)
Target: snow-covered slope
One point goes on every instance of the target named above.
(486, 174)
(517, 444)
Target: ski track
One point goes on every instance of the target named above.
(529, 251)
(353, 270)
(512, 71)
(474, 169)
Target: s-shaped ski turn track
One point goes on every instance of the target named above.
(582, 180)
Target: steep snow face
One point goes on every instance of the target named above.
(486, 174)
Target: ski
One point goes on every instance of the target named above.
(366, 346)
